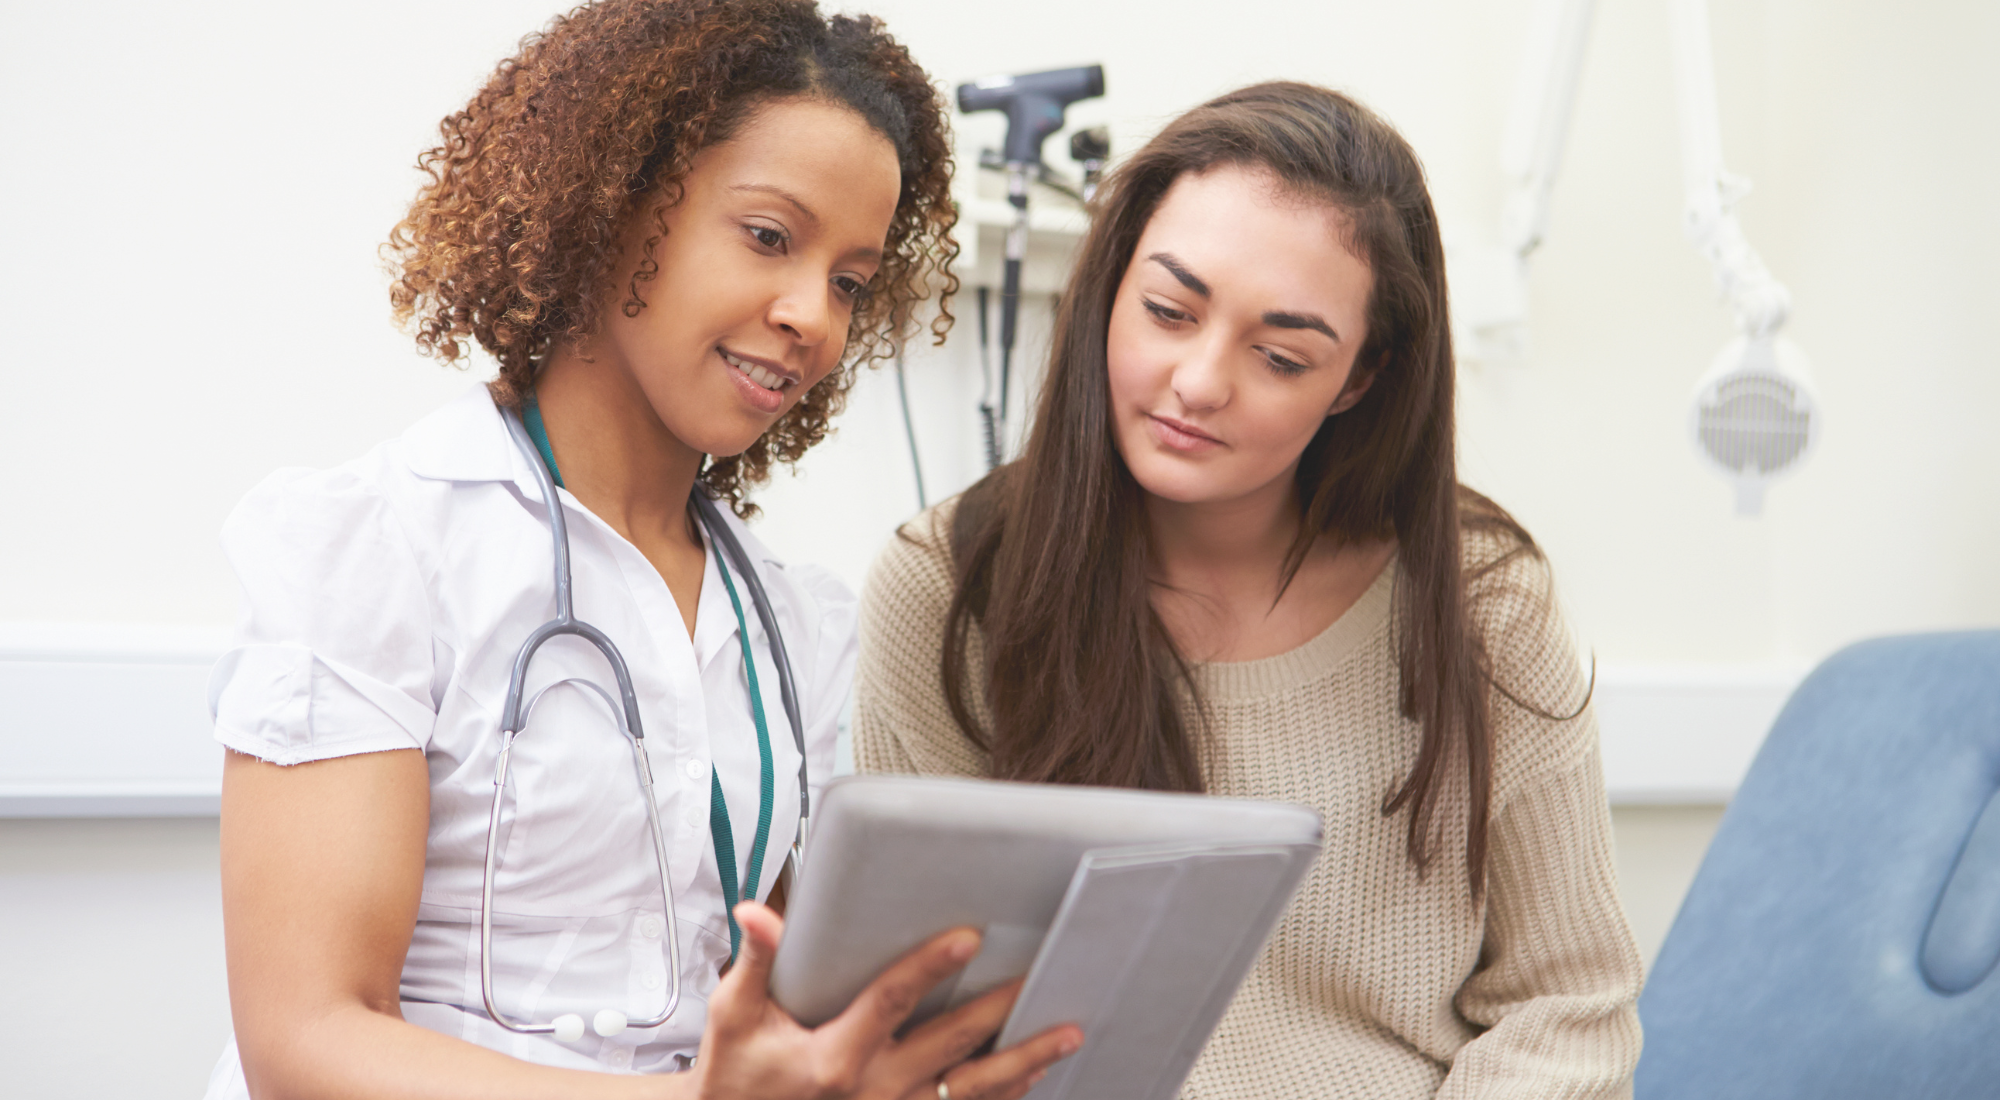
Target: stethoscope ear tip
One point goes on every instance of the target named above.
(568, 1027)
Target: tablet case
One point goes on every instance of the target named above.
(1134, 914)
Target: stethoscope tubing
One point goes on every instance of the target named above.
(514, 718)
(645, 771)
(732, 548)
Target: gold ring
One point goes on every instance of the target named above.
(944, 1090)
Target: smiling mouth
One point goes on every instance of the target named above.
(755, 372)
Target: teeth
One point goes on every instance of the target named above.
(756, 373)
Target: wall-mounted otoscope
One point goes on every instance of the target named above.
(1034, 103)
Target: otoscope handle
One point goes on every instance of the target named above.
(1034, 104)
(1010, 307)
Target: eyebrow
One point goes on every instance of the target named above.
(861, 253)
(1281, 319)
(1179, 271)
(1275, 318)
(770, 189)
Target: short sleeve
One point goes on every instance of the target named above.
(832, 670)
(333, 653)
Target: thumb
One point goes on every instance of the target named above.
(762, 929)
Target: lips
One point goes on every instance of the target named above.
(763, 372)
(1175, 435)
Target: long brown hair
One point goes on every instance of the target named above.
(1082, 681)
(513, 237)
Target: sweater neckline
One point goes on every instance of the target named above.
(1284, 671)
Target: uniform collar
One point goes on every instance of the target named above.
(466, 440)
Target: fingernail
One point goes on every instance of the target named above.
(963, 947)
(1071, 1044)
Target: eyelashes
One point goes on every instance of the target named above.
(773, 239)
(1171, 318)
(1282, 365)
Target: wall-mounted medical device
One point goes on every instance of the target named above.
(1489, 281)
(1755, 415)
(1034, 104)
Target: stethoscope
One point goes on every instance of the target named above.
(514, 718)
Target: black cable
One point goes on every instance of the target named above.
(988, 425)
(910, 431)
(1010, 313)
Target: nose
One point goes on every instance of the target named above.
(801, 310)
(1202, 377)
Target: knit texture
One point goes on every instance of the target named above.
(1381, 981)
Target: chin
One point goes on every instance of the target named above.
(1178, 481)
(729, 445)
(725, 440)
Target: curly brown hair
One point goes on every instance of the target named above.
(512, 240)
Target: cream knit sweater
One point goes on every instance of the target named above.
(1380, 982)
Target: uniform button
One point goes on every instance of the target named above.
(620, 1057)
(649, 927)
(695, 769)
(650, 981)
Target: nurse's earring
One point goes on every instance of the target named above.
(569, 1026)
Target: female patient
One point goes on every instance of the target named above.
(1235, 557)
(676, 224)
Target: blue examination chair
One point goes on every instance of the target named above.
(1839, 941)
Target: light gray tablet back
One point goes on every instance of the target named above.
(1145, 956)
(894, 860)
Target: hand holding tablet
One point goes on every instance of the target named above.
(1134, 914)
(858, 1054)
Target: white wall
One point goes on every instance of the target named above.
(193, 195)
(111, 943)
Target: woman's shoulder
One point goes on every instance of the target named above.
(1541, 689)
(460, 442)
(913, 574)
(821, 589)
(301, 511)
(1493, 543)
(903, 721)
(824, 603)
(1508, 583)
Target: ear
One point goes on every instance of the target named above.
(1358, 381)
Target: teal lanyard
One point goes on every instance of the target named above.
(719, 828)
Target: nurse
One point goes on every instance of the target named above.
(678, 226)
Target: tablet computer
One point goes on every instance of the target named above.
(895, 860)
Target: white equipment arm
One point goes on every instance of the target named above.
(1760, 301)
(1489, 284)
(1538, 120)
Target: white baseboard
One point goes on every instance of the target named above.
(112, 721)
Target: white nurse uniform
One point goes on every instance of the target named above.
(384, 600)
